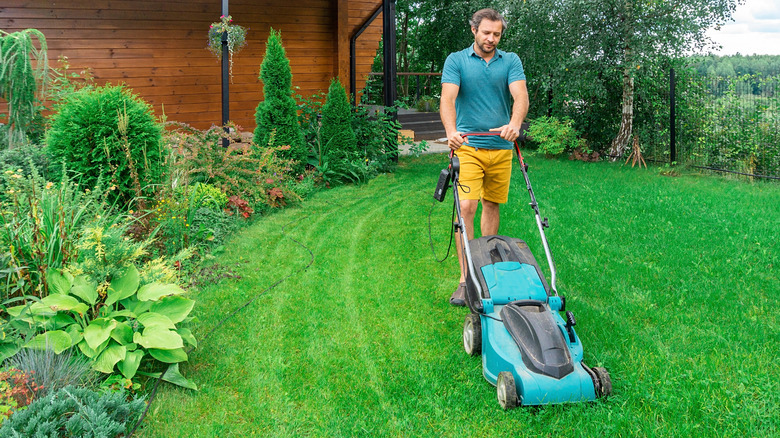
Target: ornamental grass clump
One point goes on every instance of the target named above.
(110, 133)
(277, 115)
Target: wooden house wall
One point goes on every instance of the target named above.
(158, 48)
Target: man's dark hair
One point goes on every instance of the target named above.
(487, 13)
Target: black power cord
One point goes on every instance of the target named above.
(233, 314)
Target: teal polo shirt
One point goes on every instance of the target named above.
(484, 100)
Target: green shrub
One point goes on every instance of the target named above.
(108, 132)
(377, 137)
(277, 114)
(75, 412)
(338, 138)
(207, 196)
(25, 157)
(554, 136)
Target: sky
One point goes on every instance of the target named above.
(755, 30)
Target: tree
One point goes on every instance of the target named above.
(338, 137)
(277, 115)
(20, 82)
(629, 34)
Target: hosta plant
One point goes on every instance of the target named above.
(118, 328)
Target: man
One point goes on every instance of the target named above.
(483, 89)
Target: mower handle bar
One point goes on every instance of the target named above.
(541, 225)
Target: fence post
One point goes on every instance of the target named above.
(672, 121)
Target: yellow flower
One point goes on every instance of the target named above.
(49, 185)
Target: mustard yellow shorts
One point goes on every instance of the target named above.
(484, 173)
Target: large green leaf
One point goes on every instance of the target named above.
(169, 356)
(57, 340)
(59, 321)
(130, 364)
(137, 307)
(123, 333)
(57, 302)
(176, 308)
(187, 336)
(84, 289)
(91, 352)
(123, 286)
(155, 291)
(172, 375)
(109, 357)
(156, 337)
(7, 350)
(75, 332)
(59, 282)
(152, 319)
(98, 331)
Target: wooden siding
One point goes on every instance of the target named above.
(158, 48)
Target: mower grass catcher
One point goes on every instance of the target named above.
(529, 352)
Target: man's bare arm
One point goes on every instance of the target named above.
(449, 93)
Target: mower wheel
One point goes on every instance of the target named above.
(472, 335)
(506, 390)
(604, 380)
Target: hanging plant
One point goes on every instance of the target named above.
(236, 38)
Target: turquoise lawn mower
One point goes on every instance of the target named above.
(529, 352)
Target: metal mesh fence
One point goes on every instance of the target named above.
(729, 124)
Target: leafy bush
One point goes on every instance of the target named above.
(27, 158)
(554, 136)
(117, 323)
(111, 133)
(207, 196)
(76, 412)
(17, 390)
(377, 137)
(276, 115)
(238, 170)
(338, 138)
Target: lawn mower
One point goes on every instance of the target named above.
(529, 352)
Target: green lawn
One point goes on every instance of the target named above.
(674, 283)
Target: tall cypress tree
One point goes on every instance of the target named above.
(338, 137)
(278, 113)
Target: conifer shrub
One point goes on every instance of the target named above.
(338, 138)
(277, 114)
(109, 133)
(76, 412)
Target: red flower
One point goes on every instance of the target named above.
(269, 181)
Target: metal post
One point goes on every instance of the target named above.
(390, 69)
(672, 119)
(388, 18)
(225, 78)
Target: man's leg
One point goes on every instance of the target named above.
(490, 218)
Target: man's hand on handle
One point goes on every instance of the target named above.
(507, 132)
(455, 141)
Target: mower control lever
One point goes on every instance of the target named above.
(546, 223)
(570, 322)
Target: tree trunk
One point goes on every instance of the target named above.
(621, 141)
